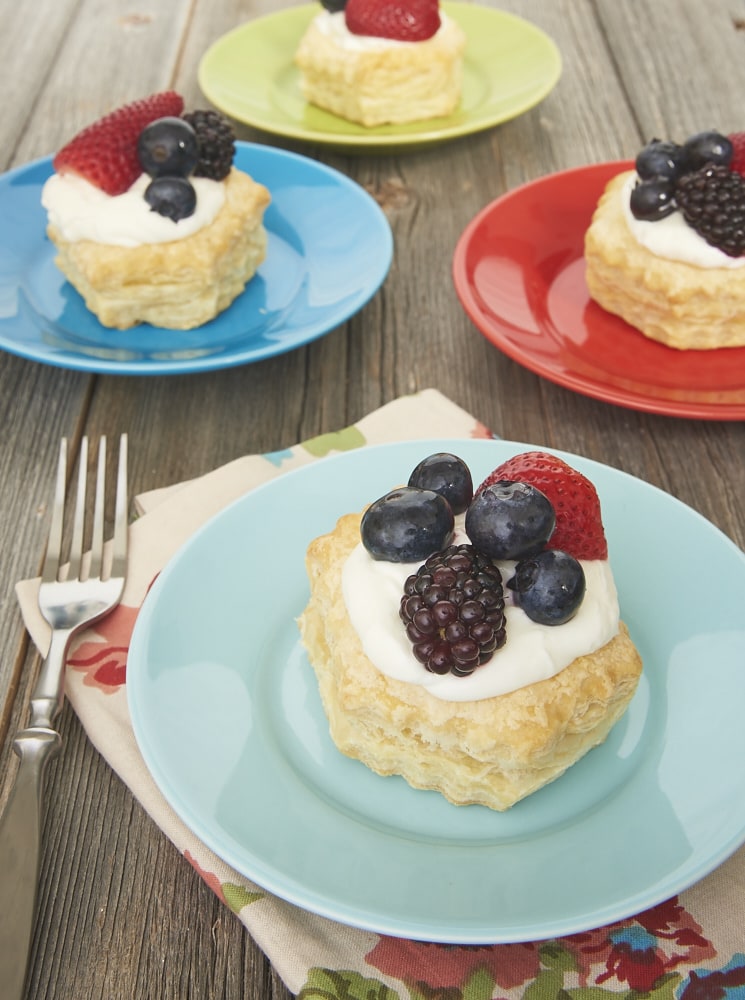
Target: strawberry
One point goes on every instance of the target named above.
(579, 527)
(738, 156)
(402, 20)
(105, 153)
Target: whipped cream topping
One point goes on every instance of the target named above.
(372, 592)
(334, 26)
(672, 237)
(81, 211)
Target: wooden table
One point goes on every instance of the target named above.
(121, 913)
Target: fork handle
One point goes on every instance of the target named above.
(49, 692)
(20, 853)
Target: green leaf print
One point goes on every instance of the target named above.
(238, 896)
(555, 956)
(665, 989)
(548, 985)
(345, 440)
(479, 985)
(330, 984)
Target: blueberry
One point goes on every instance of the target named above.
(510, 520)
(709, 147)
(446, 474)
(168, 147)
(549, 587)
(407, 525)
(662, 159)
(652, 200)
(173, 197)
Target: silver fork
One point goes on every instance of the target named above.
(69, 599)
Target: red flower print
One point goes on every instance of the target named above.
(212, 880)
(669, 921)
(443, 966)
(639, 951)
(639, 967)
(718, 984)
(102, 654)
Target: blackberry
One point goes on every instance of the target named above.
(453, 610)
(216, 143)
(712, 201)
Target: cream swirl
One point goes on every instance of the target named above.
(672, 237)
(79, 210)
(372, 591)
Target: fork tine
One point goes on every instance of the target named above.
(94, 570)
(76, 545)
(54, 544)
(119, 554)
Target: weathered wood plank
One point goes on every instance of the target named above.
(122, 914)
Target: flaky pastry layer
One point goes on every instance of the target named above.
(678, 304)
(177, 285)
(493, 752)
(390, 86)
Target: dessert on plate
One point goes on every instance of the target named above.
(379, 62)
(470, 642)
(666, 246)
(151, 221)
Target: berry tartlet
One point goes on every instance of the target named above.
(471, 642)
(666, 246)
(151, 220)
(380, 62)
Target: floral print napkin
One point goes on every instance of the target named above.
(691, 947)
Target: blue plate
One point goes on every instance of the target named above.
(227, 715)
(330, 247)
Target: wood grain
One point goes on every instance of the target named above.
(121, 912)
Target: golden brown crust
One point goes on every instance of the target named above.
(389, 86)
(176, 285)
(678, 304)
(492, 752)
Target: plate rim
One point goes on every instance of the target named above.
(673, 882)
(573, 381)
(367, 139)
(238, 355)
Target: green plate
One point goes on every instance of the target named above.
(249, 74)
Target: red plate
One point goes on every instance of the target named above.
(519, 272)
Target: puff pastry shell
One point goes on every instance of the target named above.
(493, 752)
(177, 285)
(676, 303)
(404, 83)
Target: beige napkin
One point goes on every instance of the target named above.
(692, 942)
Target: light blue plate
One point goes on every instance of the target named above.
(330, 248)
(227, 715)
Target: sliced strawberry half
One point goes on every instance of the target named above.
(738, 155)
(401, 20)
(579, 526)
(105, 152)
